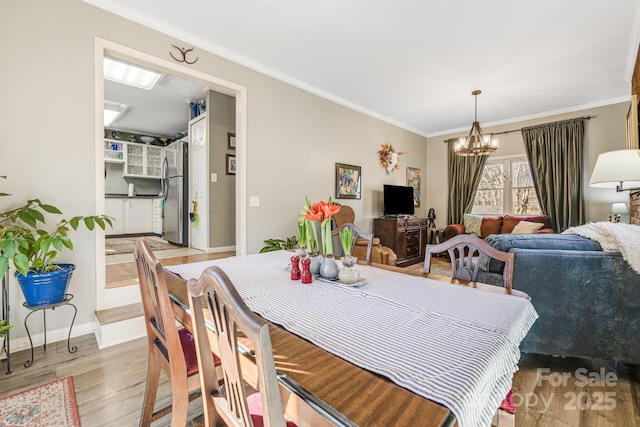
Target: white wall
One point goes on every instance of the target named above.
(48, 147)
(605, 131)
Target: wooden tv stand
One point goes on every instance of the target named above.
(406, 236)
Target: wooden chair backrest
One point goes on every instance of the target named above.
(462, 250)
(356, 233)
(158, 312)
(230, 315)
(345, 215)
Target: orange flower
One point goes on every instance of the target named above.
(314, 213)
(329, 209)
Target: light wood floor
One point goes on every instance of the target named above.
(109, 385)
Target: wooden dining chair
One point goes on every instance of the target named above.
(170, 349)
(466, 253)
(231, 316)
(357, 233)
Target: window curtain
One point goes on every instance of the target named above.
(555, 152)
(464, 177)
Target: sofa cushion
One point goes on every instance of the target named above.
(526, 227)
(473, 224)
(510, 221)
(490, 225)
(505, 242)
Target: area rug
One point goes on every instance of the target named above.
(125, 245)
(48, 405)
(439, 266)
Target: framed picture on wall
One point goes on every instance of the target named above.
(413, 180)
(348, 181)
(231, 141)
(231, 164)
(632, 123)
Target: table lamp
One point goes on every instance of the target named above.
(617, 209)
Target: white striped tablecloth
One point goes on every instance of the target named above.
(454, 345)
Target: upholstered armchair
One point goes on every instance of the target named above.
(379, 254)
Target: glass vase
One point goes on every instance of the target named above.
(329, 268)
(349, 274)
(316, 262)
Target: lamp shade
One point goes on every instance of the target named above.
(619, 208)
(617, 168)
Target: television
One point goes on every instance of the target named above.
(398, 200)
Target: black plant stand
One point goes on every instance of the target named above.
(5, 316)
(43, 308)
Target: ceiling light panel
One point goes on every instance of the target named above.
(120, 72)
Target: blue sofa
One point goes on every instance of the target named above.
(588, 300)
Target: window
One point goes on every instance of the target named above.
(506, 187)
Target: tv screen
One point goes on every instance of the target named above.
(398, 200)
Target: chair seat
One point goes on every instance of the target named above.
(189, 350)
(254, 402)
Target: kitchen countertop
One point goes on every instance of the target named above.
(124, 196)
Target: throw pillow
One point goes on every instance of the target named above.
(526, 227)
(472, 224)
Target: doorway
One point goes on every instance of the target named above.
(106, 48)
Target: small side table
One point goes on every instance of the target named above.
(43, 308)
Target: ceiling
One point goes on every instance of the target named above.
(161, 111)
(415, 63)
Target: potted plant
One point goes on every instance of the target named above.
(33, 249)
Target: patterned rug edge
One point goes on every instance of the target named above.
(68, 397)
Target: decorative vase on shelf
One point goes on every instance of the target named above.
(316, 262)
(349, 274)
(329, 268)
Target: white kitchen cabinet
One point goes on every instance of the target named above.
(114, 208)
(157, 216)
(114, 151)
(132, 215)
(143, 161)
(138, 215)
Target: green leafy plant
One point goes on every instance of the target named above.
(4, 328)
(32, 248)
(279, 244)
(346, 238)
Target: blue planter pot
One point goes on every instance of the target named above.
(45, 288)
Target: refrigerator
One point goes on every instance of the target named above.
(175, 192)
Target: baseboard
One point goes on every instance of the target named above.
(22, 343)
(220, 249)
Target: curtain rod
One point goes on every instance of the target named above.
(526, 127)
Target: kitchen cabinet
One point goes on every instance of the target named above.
(114, 151)
(132, 215)
(138, 215)
(114, 208)
(157, 217)
(143, 161)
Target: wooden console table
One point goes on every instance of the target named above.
(407, 237)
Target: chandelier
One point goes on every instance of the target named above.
(477, 143)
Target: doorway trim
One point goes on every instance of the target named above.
(104, 47)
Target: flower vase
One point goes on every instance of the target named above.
(349, 274)
(316, 262)
(329, 268)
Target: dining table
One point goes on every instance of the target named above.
(399, 349)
